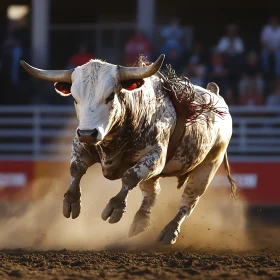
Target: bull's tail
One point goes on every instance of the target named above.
(231, 180)
(213, 87)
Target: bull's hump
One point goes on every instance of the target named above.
(210, 96)
(200, 90)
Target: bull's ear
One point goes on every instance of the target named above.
(62, 88)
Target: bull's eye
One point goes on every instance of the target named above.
(110, 97)
(132, 84)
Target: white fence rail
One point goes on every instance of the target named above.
(36, 132)
(46, 133)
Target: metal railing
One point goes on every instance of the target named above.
(37, 132)
(46, 133)
(256, 133)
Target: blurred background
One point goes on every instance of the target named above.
(239, 49)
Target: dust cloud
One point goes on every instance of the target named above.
(218, 222)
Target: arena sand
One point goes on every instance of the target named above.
(218, 222)
(37, 242)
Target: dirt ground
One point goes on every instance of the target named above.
(258, 258)
(216, 241)
(112, 264)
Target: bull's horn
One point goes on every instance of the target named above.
(135, 73)
(48, 75)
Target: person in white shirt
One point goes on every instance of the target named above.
(270, 41)
(231, 47)
(231, 44)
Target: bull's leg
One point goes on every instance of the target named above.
(199, 180)
(150, 190)
(147, 167)
(81, 160)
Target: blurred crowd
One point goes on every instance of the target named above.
(245, 76)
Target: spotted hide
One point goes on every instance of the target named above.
(126, 120)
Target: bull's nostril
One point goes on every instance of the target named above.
(87, 135)
(94, 133)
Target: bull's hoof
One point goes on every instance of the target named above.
(114, 209)
(169, 234)
(71, 207)
(140, 223)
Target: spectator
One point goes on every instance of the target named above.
(81, 57)
(138, 44)
(12, 52)
(270, 41)
(251, 96)
(196, 68)
(16, 46)
(229, 96)
(231, 46)
(196, 73)
(174, 58)
(217, 70)
(251, 71)
(172, 36)
(274, 98)
(197, 54)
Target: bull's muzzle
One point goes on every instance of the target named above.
(87, 136)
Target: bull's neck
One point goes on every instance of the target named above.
(139, 111)
(141, 108)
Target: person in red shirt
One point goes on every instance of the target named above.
(137, 45)
(81, 57)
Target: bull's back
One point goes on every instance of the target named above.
(199, 137)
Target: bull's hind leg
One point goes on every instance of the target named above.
(81, 160)
(198, 181)
(150, 190)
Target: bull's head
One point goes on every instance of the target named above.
(95, 87)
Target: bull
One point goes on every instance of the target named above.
(131, 122)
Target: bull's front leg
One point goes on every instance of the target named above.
(81, 160)
(147, 167)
